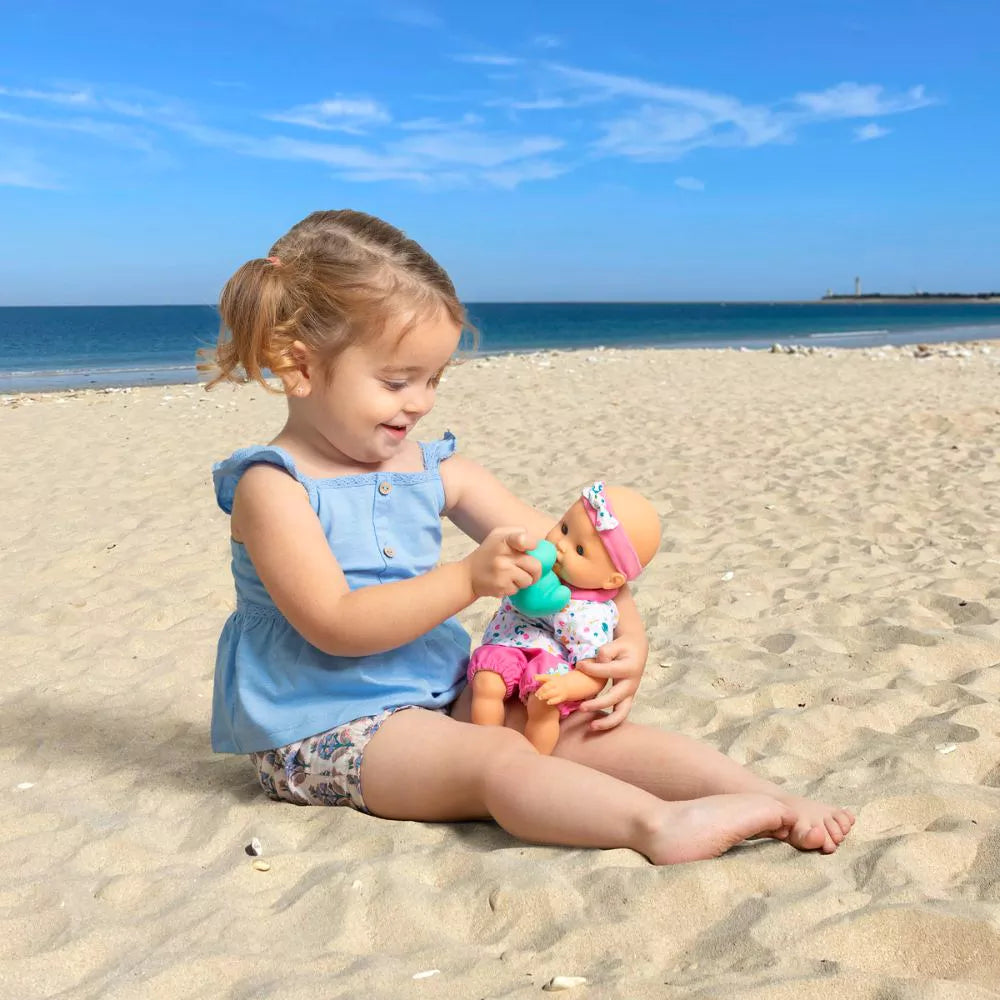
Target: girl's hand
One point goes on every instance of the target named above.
(623, 661)
(499, 567)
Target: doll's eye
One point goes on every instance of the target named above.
(564, 529)
(579, 550)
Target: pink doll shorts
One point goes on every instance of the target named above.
(518, 668)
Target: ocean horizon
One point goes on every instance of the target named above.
(44, 348)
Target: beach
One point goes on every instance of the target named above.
(824, 609)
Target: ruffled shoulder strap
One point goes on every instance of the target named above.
(435, 452)
(226, 474)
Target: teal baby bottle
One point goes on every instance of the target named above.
(548, 594)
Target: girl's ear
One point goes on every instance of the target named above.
(614, 582)
(297, 380)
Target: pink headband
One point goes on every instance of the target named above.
(274, 261)
(623, 556)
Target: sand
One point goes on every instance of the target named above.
(824, 608)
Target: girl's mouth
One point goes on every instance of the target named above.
(397, 431)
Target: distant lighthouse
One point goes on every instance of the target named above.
(857, 287)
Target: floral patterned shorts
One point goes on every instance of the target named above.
(321, 770)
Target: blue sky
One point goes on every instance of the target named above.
(540, 150)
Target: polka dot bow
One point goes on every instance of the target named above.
(603, 519)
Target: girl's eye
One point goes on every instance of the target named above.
(395, 386)
(579, 550)
(564, 529)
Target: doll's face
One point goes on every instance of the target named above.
(582, 560)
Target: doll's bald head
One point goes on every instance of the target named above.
(639, 519)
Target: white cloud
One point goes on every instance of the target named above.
(638, 119)
(17, 177)
(20, 168)
(339, 114)
(439, 125)
(373, 176)
(478, 149)
(113, 132)
(547, 42)
(538, 170)
(452, 159)
(409, 13)
(854, 100)
(487, 60)
(657, 122)
(74, 98)
(539, 104)
(865, 133)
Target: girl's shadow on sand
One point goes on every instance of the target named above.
(57, 736)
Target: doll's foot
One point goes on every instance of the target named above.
(817, 826)
(705, 828)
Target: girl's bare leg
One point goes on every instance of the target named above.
(425, 766)
(672, 767)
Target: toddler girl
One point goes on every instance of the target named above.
(341, 672)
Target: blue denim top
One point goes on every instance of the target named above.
(272, 687)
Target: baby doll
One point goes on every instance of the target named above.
(605, 539)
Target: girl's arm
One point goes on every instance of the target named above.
(477, 502)
(623, 660)
(283, 537)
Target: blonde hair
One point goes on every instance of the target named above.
(334, 279)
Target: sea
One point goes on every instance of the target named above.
(67, 347)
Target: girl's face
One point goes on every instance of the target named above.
(378, 391)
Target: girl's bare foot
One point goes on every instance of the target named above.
(705, 828)
(817, 826)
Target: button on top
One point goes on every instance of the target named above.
(384, 488)
(388, 552)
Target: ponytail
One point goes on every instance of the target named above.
(257, 317)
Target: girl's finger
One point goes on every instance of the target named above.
(608, 699)
(615, 718)
(618, 670)
(519, 540)
(530, 565)
(594, 669)
(520, 579)
(608, 652)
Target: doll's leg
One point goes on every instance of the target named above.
(676, 767)
(542, 726)
(493, 674)
(425, 766)
(489, 692)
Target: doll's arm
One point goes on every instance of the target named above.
(554, 689)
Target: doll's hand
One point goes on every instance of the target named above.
(499, 566)
(623, 661)
(553, 689)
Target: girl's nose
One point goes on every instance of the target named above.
(419, 401)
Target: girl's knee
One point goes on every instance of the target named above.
(505, 740)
